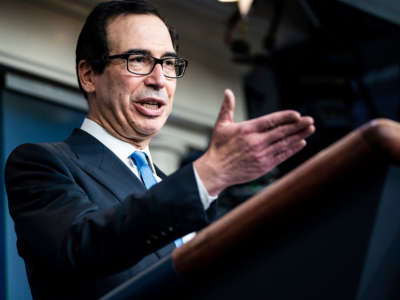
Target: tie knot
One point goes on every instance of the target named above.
(140, 159)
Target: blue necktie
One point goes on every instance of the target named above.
(147, 176)
(144, 169)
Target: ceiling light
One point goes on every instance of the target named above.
(244, 5)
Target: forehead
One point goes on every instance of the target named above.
(138, 32)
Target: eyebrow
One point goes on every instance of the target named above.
(147, 52)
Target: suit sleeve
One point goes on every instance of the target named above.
(59, 226)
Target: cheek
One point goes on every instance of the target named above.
(118, 94)
(171, 92)
(106, 88)
(172, 87)
(112, 83)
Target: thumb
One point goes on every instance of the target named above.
(227, 108)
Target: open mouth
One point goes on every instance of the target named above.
(151, 107)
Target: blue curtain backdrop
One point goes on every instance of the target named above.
(25, 119)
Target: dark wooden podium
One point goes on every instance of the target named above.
(320, 232)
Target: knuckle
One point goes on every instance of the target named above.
(270, 123)
(253, 143)
(281, 132)
(283, 156)
(283, 143)
(260, 159)
(289, 129)
(244, 130)
(257, 147)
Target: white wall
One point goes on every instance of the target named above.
(38, 40)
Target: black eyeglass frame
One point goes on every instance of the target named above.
(156, 61)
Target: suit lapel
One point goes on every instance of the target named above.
(160, 173)
(107, 169)
(103, 165)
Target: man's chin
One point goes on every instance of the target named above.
(148, 128)
(148, 131)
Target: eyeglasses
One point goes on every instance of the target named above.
(141, 64)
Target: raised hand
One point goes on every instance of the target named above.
(241, 152)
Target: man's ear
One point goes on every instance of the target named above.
(86, 76)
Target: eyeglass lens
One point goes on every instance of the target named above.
(143, 64)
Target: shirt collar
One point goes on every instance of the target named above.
(120, 148)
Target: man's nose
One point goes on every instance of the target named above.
(156, 79)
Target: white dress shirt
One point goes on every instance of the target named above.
(123, 150)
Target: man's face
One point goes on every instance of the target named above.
(134, 107)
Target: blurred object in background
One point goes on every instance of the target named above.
(344, 73)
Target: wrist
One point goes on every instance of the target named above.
(210, 174)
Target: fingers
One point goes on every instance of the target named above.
(273, 120)
(304, 128)
(280, 157)
(227, 108)
(286, 143)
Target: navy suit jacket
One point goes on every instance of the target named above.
(85, 223)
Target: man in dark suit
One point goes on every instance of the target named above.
(86, 216)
